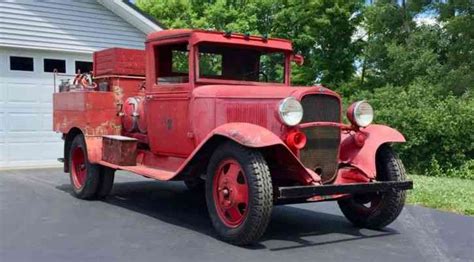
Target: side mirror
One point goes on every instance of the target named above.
(298, 59)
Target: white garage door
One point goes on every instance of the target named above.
(26, 136)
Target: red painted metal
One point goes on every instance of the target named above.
(230, 193)
(95, 113)
(175, 123)
(296, 140)
(119, 61)
(79, 168)
(119, 150)
(197, 36)
(363, 157)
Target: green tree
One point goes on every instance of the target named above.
(397, 50)
(320, 29)
(457, 16)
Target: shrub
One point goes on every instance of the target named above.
(438, 127)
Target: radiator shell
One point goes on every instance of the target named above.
(322, 148)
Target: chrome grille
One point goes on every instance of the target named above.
(322, 147)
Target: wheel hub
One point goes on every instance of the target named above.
(78, 169)
(230, 193)
(225, 192)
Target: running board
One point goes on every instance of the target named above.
(293, 192)
(145, 171)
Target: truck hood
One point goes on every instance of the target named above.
(258, 91)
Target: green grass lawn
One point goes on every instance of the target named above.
(450, 194)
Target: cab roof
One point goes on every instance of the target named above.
(196, 36)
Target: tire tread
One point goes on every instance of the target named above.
(392, 201)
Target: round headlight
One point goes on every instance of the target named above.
(290, 111)
(360, 114)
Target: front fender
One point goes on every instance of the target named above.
(363, 157)
(254, 136)
(248, 135)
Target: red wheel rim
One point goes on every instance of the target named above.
(78, 169)
(230, 192)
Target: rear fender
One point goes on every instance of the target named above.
(362, 155)
(93, 145)
(94, 148)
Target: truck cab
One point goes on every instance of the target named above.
(218, 111)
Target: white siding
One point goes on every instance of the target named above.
(65, 25)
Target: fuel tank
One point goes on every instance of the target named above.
(133, 118)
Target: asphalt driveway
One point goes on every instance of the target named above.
(145, 220)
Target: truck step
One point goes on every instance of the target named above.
(146, 171)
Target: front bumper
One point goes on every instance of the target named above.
(304, 192)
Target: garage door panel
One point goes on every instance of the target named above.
(32, 136)
(23, 137)
(22, 92)
(2, 121)
(3, 90)
(52, 138)
(46, 96)
(47, 122)
(23, 122)
(53, 150)
(24, 151)
(33, 151)
(27, 108)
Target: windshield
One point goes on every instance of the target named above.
(241, 63)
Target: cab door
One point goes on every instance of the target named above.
(168, 100)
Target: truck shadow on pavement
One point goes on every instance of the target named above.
(290, 227)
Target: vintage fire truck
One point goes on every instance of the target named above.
(217, 111)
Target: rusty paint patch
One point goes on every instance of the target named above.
(109, 127)
(118, 94)
(119, 150)
(245, 139)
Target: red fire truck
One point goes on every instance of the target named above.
(218, 111)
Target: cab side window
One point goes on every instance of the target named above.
(172, 63)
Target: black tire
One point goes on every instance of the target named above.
(98, 179)
(87, 189)
(260, 194)
(387, 205)
(106, 183)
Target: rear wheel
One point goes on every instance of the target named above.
(106, 183)
(89, 181)
(239, 193)
(377, 210)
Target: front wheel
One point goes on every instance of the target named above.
(377, 210)
(239, 193)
